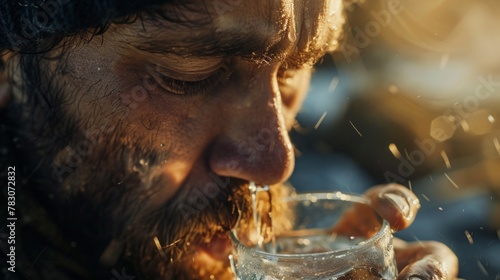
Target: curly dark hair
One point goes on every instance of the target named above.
(36, 25)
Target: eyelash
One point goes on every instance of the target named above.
(187, 88)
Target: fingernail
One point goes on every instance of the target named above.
(399, 201)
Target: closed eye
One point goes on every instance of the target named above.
(190, 84)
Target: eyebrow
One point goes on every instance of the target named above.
(206, 45)
(251, 46)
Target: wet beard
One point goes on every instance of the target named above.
(196, 245)
(112, 202)
(185, 238)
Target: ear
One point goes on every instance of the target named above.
(5, 92)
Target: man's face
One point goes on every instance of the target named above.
(166, 120)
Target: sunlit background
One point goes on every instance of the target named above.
(412, 96)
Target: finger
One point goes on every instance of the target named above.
(395, 203)
(426, 260)
(359, 221)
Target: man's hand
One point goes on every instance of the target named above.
(423, 260)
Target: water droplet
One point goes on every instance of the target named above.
(291, 36)
(393, 89)
(442, 128)
(162, 145)
(394, 150)
(444, 155)
(333, 84)
(303, 241)
(425, 197)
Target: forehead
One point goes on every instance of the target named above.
(209, 27)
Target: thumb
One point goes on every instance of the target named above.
(395, 203)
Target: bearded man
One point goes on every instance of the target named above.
(133, 131)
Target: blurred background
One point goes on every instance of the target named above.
(413, 96)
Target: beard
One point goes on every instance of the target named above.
(185, 237)
(106, 181)
(108, 197)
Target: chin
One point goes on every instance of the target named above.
(197, 246)
(208, 267)
(205, 261)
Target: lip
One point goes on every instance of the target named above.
(218, 248)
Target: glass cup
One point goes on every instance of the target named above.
(326, 236)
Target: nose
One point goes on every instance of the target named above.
(253, 144)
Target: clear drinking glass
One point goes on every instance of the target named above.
(329, 236)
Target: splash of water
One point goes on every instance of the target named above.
(258, 213)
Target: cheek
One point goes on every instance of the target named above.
(171, 137)
(168, 124)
